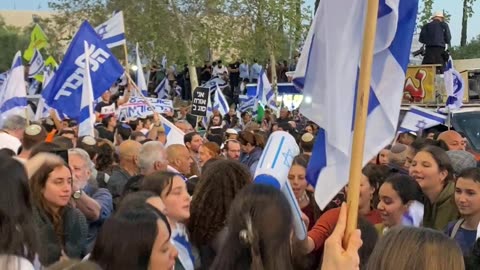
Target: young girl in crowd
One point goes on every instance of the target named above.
(172, 189)
(259, 228)
(252, 148)
(433, 172)
(407, 248)
(325, 225)
(396, 194)
(467, 198)
(298, 181)
(62, 229)
(18, 241)
(221, 180)
(136, 237)
(208, 151)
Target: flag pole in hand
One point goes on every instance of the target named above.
(361, 113)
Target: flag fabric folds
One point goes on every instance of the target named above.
(64, 91)
(220, 103)
(265, 92)
(246, 102)
(418, 119)
(112, 31)
(38, 40)
(454, 86)
(162, 89)
(141, 83)
(86, 120)
(13, 97)
(174, 134)
(36, 64)
(328, 71)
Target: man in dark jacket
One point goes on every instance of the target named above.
(436, 36)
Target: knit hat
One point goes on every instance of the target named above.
(461, 160)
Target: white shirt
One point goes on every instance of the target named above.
(219, 71)
(10, 142)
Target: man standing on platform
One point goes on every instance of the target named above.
(436, 36)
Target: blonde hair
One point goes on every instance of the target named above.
(406, 248)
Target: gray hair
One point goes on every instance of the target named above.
(150, 153)
(184, 122)
(14, 122)
(84, 156)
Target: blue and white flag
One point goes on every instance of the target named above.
(36, 64)
(220, 103)
(213, 82)
(42, 108)
(328, 71)
(174, 134)
(162, 89)
(3, 79)
(112, 31)
(13, 98)
(454, 86)
(86, 120)
(418, 119)
(246, 102)
(141, 83)
(206, 119)
(265, 92)
(64, 91)
(164, 61)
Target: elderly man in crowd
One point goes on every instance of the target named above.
(95, 203)
(152, 158)
(128, 153)
(11, 133)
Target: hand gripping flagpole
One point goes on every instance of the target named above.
(361, 113)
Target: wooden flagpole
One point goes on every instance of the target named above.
(361, 114)
(125, 50)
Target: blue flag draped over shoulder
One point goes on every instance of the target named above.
(328, 72)
(64, 91)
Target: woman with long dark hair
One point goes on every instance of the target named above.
(259, 228)
(137, 237)
(62, 229)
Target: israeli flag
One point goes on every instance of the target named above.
(454, 86)
(220, 103)
(141, 83)
(418, 119)
(36, 64)
(64, 91)
(246, 102)
(328, 71)
(206, 119)
(265, 92)
(87, 117)
(174, 134)
(164, 61)
(162, 89)
(42, 108)
(213, 82)
(13, 97)
(182, 244)
(112, 32)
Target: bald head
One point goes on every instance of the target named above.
(179, 158)
(453, 139)
(129, 149)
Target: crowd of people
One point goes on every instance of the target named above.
(127, 199)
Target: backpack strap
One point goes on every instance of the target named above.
(456, 227)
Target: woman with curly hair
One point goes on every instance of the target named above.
(222, 180)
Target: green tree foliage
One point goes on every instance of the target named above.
(467, 13)
(12, 39)
(426, 12)
(469, 51)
